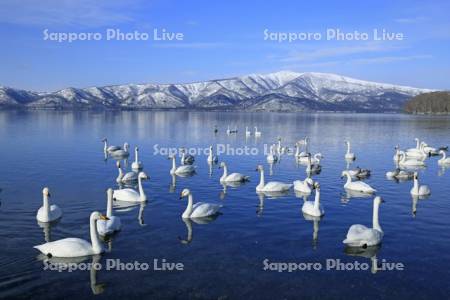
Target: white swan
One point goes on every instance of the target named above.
(137, 165)
(131, 195)
(281, 149)
(199, 209)
(417, 148)
(349, 155)
(108, 149)
(399, 174)
(430, 150)
(212, 158)
(357, 186)
(128, 177)
(271, 157)
(247, 131)
(304, 186)
(311, 208)
(409, 162)
(417, 154)
(397, 155)
(181, 170)
(444, 160)
(75, 247)
(419, 190)
(314, 167)
(272, 186)
(233, 177)
(122, 152)
(257, 133)
(105, 227)
(186, 159)
(361, 236)
(47, 212)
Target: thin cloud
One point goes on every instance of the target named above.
(410, 20)
(390, 59)
(84, 13)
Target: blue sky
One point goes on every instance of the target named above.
(221, 39)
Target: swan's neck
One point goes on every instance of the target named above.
(317, 199)
(109, 206)
(349, 178)
(306, 146)
(119, 178)
(141, 190)
(174, 166)
(210, 155)
(136, 155)
(416, 184)
(417, 144)
(261, 179)
(444, 156)
(94, 236)
(297, 151)
(348, 147)
(375, 223)
(46, 205)
(182, 158)
(188, 210)
(225, 173)
(317, 158)
(105, 147)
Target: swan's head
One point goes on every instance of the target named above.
(98, 216)
(309, 181)
(222, 165)
(210, 148)
(259, 168)
(126, 146)
(142, 175)
(185, 193)
(346, 142)
(104, 140)
(316, 186)
(416, 175)
(118, 164)
(345, 173)
(378, 200)
(46, 192)
(136, 148)
(442, 152)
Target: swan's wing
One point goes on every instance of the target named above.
(185, 169)
(359, 235)
(55, 212)
(201, 209)
(105, 227)
(69, 247)
(130, 176)
(125, 194)
(277, 186)
(235, 177)
(361, 186)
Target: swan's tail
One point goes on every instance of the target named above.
(246, 178)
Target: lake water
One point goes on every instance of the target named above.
(224, 258)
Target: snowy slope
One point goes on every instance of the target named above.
(280, 91)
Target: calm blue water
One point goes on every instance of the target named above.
(224, 258)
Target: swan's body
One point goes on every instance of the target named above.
(362, 236)
(271, 157)
(397, 155)
(199, 209)
(47, 212)
(300, 155)
(257, 133)
(105, 227)
(358, 173)
(417, 148)
(131, 195)
(233, 177)
(75, 247)
(137, 165)
(349, 155)
(444, 160)
(272, 186)
(419, 190)
(399, 174)
(311, 208)
(211, 158)
(181, 170)
(304, 186)
(121, 152)
(409, 162)
(129, 177)
(357, 186)
(418, 154)
(430, 150)
(109, 149)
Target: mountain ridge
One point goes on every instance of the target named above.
(279, 91)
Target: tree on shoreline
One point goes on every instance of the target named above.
(429, 103)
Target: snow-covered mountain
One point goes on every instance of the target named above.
(281, 91)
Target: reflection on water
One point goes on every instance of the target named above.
(63, 150)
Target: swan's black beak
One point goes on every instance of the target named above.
(181, 197)
(383, 201)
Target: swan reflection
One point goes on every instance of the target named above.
(124, 206)
(269, 195)
(316, 221)
(349, 194)
(46, 228)
(415, 200)
(369, 252)
(200, 221)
